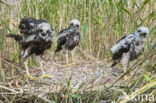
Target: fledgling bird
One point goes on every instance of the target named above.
(44, 42)
(27, 27)
(129, 47)
(68, 39)
(36, 39)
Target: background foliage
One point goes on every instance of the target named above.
(103, 22)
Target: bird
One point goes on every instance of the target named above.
(36, 39)
(27, 27)
(44, 42)
(68, 39)
(129, 47)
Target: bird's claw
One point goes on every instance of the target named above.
(69, 65)
(30, 77)
(72, 63)
(46, 76)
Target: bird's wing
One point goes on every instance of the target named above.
(63, 31)
(121, 38)
(122, 46)
(16, 37)
(70, 38)
(32, 37)
(78, 37)
(61, 40)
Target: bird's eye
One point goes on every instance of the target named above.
(139, 31)
(21, 26)
(77, 25)
(40, 30)
(71, 24)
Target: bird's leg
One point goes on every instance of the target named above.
(72, 54)
(41, 67)
(125, 68)
(66, 54)
(27, 70)
(26, 67)
(131, 73)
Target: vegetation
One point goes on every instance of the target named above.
(103, 22)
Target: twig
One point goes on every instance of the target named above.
(11, 62)
(41, 96)
(7, 88)
(122, 86)
(3, 3)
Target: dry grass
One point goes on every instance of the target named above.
(90, 80)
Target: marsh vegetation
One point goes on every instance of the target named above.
(103, 22)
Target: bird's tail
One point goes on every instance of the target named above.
(58, 49)
(114, 63)
(16, 37)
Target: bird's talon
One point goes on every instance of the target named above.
(72, 63)
(30, 77)
(46, 76)
(69, 65)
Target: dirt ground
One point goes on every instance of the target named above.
(86, 73)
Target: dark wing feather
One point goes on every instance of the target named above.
(35, 47)
(114, 63)
(122, 47)
(62, 39)
(40, 47)
(16, 37)
(60, 42)
(62, 31)
(118, 55)
(68, 39)
(121, 38)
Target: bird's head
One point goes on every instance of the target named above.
(74, 24)
(44, 30)
(27, 25)
(142, 32)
